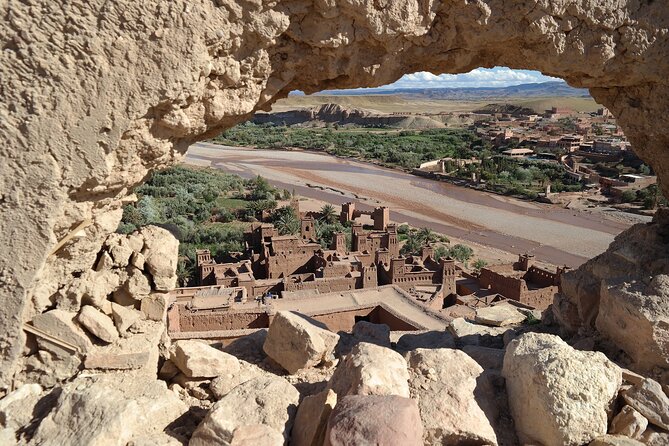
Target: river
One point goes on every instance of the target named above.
(553, 234)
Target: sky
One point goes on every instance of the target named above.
(480, 77)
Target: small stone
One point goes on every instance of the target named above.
(378, 334)
(199, 360)
(629, 422)
(155, 306)
(137, 260)
(649, 399)
(256, 435)
(98, 323)
(60, 324)
(168, 371)
(614, 440)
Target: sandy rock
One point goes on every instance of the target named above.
(168, 371)
(614, 440)
(558, 395)
(378, 334)
(427, 339)
(655, 437)
(138, 285)
(137, 260)
(199, 360)
(16, 408)
(224, 383)
(371, 370)
(444, 382)
(124, 317)
(383, 420)
(98, 323)
(60, 324)
(271, 401)
(155, 306)
(475, 334)
(312, 418)
(93, 288)
(161, 250)
(635, 317)
(109, 410)
(499, 315)
(650, 400)
(629, 423)
(295, 341)
(256, 435)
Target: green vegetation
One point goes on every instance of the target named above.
(417, 238)
(202, 208)
(479, 263)
(406, 148)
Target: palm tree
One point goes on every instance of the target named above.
(426, 235)
(287, 224)
(328, 214)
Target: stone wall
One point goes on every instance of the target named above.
(97, 94)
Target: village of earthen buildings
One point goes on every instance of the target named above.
(293, 272)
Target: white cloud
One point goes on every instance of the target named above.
(480, 77)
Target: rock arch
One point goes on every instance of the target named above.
(96, 94)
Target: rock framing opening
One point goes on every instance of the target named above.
(98, 94)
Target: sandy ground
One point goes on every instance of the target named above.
(505, 226)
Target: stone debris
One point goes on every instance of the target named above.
(558, 395)
(378, 334)
(650, 400)
(98, 323)
(124, 317)
(160, 251)
(154, 307)
(16, 408)
(224, 383)
(312, 418)
(109, 409)
(488, 358)
(199, 360)
(467, 333)
(499, 315)
(271, 401)
(381, 420)
(371, 370)
(614, 440)
(296, 342)
(256, 435)
(427, 339)
(629, 423)
(61, 324)
(444, 382)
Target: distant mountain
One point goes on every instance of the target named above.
(544, 89)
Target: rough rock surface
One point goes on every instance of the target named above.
(371, 370)
(629, 423)
(382, 420)
(312, 418)
(558, 395)
(256, 435)
(499, 315)
(378, 334)
(98, 323)
(650, 400)
(614, 440)
(109, 410)
(623, 294)
(105, 110)
(224, 383)
(428, 339)
(444, 382)
(467, 333)
(271, 401)
(296, 342)
(199, 360)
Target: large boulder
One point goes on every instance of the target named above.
(650, 400)
(371, 370)
(558, 395)
(271, 401)
(199, 360)
(110, 410)
(467, 333)
(444, 381)
(636, 317)
(378, 334)
(296, 342)
(224, 383)
(381, 420)
(499, 315)
(425, 339)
